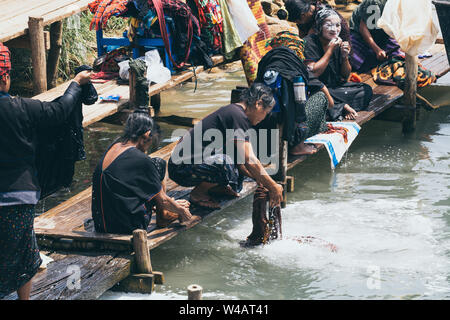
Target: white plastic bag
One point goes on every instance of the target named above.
(124, 71)
(410, 22)
(156, 72)
(243, 18)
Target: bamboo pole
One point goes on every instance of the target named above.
(36, 29)
(141, 251)
(54, 53)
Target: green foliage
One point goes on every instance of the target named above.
(79, 47)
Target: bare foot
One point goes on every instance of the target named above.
(351, 113)
(203, 200)
(223, 191)
(303, 149)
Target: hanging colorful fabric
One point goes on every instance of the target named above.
(211, 23)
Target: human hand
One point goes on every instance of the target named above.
(83, 77)
(275, 195)
(381, 55)
(184, 215)
(183, 203)
(336, 42)
(345, 48)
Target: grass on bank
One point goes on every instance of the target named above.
(78, 47)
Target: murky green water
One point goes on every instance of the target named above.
(386, 207)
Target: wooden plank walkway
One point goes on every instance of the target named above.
(101, 110)
(69, 225)
(14, 14)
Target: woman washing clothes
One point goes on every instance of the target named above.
(127, 183)
(304, 12)
(216, 155)
(370, 44)
(327, 57)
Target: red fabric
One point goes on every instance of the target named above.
(5, 60)
(104, 9)
(335, 129)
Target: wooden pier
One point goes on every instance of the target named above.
(86, 263)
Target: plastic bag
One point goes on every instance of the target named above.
(156, 72)
(243, 18)
(410, 22)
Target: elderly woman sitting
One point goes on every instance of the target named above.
(127, 183)
(327, 57)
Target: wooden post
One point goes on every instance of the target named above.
(282, 160)
(54, 53)
(36, 30)
(132, 79)
(290, 183)
(194, 292)
(142, 254)
(409, 93)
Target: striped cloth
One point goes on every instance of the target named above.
(256, 46)
(5, 60)
(104, 9)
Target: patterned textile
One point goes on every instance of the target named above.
(221, 170)
(5, 60)
(255, 47)
(19, 253)
(211, 23)
(392, 72)
(104, 9)
(289, 40)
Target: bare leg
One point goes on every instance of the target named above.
(24, 291)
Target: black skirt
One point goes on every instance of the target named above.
(19, 252)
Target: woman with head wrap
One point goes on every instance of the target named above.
(327, 57)
(20, 118)
(304, 12)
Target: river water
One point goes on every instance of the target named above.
(386, 207)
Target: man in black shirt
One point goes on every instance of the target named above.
(215, 155)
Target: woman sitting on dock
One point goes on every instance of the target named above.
(218, 167)
(20, 119)
(127, 183)
(370, 45)
(327, 57)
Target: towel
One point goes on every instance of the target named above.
(337, 143)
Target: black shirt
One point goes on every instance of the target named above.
(220, 130)
(20, 120)
(122, 193)
(331, 77)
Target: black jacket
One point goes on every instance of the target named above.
(20, 119)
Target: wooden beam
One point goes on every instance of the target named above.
(23, 42)
(39, 62)
(54, 53)
(137, 283)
